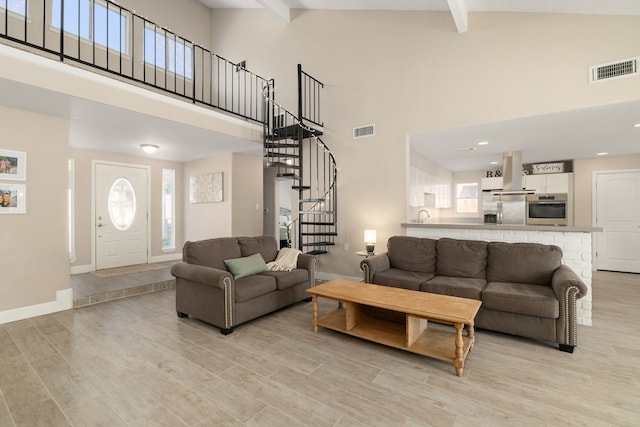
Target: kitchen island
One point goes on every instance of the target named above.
(575, 243)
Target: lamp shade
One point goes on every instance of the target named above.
(369, 236)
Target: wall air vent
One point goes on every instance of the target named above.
(613, 70)
(364, 131)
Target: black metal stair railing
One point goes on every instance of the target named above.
(295, 148)
(103, 35)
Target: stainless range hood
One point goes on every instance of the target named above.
(512, 175)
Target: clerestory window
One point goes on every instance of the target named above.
(93, 21)
(167, 51)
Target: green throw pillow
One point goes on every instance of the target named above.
(246, 266)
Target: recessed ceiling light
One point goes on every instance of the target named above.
(495, 163)
(149, 148)
(483, 143)
(602, 154)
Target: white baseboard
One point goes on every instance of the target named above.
(330, 276)
(64, 301)
(80, 269)
(165, 258)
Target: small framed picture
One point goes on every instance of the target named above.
(13, 165)
(13, 198)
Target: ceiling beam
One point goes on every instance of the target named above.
(278, 7)
(460, 14)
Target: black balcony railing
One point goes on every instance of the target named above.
(103, 35)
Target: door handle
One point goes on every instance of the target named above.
(102, 225)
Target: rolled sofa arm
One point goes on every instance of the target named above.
(374, 264)
(567, 288)
(563, 279)
(201, 274)
(308, 262)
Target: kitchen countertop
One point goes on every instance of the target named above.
(482, 226)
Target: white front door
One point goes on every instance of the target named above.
(618, 213)
(120, 215)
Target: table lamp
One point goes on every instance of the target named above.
(369, 240)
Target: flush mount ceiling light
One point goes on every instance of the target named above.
(637, 125)
(483, 143)
(495, 163)
(149, 148)
(602, 154)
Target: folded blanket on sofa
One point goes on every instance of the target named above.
(286, 260)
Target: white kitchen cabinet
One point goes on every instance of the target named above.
(549, 183)
(428, 190)
(492, 183)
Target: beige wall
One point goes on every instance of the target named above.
(411, 71)
(246, 198)
(34, 256)
(83, 190)
(208, 220)
(236, 215)
(583, 182)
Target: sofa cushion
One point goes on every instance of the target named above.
(462, 287)
(246, 266)
(264, 245)
(412, 254)
(211, 252)
(288, 279)
(253, 286)
(401, 278)
(521, 298)
(461, 258)
(532, 263)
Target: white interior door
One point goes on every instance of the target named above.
(618, 213)
(121, 215)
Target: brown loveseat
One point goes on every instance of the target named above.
(207, 290)
(524, 288)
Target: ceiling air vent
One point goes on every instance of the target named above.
(612, 70)
(364, 131)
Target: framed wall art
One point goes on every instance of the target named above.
(13, 198)
(207, 188)
(13, 165)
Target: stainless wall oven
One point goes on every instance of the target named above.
(549, 209)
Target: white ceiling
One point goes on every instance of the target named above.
(575, 134)
(100, 127)
(605, 7)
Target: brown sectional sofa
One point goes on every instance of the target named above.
(206, 289)
(524, 288)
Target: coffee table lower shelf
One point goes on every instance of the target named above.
(413, 336)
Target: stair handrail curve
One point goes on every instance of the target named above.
(330, 191)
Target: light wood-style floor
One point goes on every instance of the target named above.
(132, 362)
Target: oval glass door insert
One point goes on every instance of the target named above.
(122, 204)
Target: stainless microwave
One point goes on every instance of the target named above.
(548, 209)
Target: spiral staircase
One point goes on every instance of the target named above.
(293, 145)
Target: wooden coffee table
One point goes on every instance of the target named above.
(417, 308)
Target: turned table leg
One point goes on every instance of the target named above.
(314, 319)
(471, 335)
(459, 362)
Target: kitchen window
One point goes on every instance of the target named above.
(467, 198)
